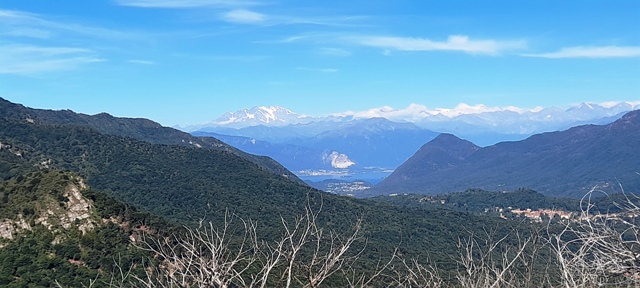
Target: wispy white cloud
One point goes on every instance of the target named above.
(30, 60)
(412, 112)
(611, 104)
(29, 33)
(243, 16)
(591, 52)
(415, 112)
(290, 39)
(460, 43)
(246, 16)
(185, 3)
(19, 55)
(336, 21)
(23, 24)
(141, 62)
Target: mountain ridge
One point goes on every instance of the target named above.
(271, 115)
(190, 186)
(479, 123)
(137, 128)
(375, 142)
(562, 163)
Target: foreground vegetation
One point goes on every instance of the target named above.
(160, 215)
(598, 250)
(187, 184)
(129, 248)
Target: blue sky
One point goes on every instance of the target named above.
(189, 61)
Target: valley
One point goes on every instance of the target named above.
(142, 181)
(345, 148)
(319, 144)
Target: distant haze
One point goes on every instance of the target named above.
(188, 62)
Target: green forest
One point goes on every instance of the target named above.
(148, 204)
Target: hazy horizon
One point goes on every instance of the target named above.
(188, 62)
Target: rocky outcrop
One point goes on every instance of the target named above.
(9, 228)
(77, 210)
(75, 213)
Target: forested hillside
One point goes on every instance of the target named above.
(185, 184)
(137, 128)
(56, 230)
(563, 164)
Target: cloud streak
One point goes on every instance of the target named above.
(33, 43)
(418, 112)
(31, 60)
(415, 112)
(141, 62)
(29, 33)
(22, 24)
(591, 52)
(243, 16)
(457, 43)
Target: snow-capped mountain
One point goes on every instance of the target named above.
(383, 138)
(471, 121)
(260, 115)
(423, 116)
(479, 123)
(586, 156)
(420, 113)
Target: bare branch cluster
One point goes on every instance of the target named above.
(595, 251)
(203, 257)
(489, 263)
(208, 256)
(600, 249)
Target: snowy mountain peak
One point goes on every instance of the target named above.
(585, 110)
(585, 105)
(260, 115)
(463, 117)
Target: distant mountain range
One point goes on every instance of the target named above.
(272, 115)
(565, 163)
(384, 138)
(147, 181)
(480, 124)
(357, 144)
(149, 167)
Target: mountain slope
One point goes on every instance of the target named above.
(144, 173)
(293, 157)
(138, 128)
(57, 232)
(565, 163)
(374, 142)
(272, 115)
(442, 153)
(478, 123)
(186, 185)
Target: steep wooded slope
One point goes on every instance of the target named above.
(57, 232)
(565, 163)
(186, 184)
(138, 128)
